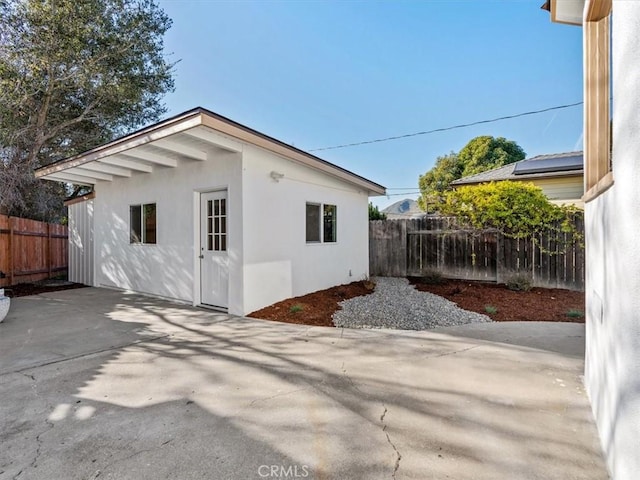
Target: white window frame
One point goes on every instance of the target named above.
(321, 207)
(143, 231)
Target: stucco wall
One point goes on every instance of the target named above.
(278, 261)
(612, 373)
(269, 259)
(169, 268)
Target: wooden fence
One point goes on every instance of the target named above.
(31, 250)
(412, 247)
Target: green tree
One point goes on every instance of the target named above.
(480, 154)
(516, 209)
(485, 153)
(436, 181)
(375, 213)
(73, 74)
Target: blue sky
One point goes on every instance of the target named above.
(317, 74)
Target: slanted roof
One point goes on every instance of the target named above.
(190, 136)
(570, 164)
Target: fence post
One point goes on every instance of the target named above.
(10, 250)
(403, 248)
(499, 257)
(49, 248)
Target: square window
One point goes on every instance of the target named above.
(321, 223)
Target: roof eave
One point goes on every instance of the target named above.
(200, 116)
(570, 173)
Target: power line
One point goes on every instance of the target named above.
(404, 193)
(444, 129)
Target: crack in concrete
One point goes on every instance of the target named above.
(455, 352)
(99, 472)
(34, 462)
(266, 399)
(384, 430)
(353, 384)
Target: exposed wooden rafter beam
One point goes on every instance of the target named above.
(98, 166)
(127, 162)
(180, 149)
(217, 140)
(70, 178)
(152, 157)
(89, 174)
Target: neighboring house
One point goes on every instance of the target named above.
(406, 208)
(201, 209)
(611, 40)
(560, 176)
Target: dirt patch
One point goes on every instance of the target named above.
(538, 304)
(314, 308)
(24, 289)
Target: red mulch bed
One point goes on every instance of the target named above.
(24, 289)
(314, 308)
(538, 304)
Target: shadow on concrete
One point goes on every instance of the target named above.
(195, 394)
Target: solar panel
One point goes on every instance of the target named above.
(548, 165)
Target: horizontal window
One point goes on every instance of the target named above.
(321, 223)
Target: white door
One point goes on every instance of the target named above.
(214, 267)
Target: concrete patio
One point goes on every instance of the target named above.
(101, 384)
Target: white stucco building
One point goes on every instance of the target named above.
(203, 210)
(611, 32)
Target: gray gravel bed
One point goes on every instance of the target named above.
(395, 303)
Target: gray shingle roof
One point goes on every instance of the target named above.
(550, 166)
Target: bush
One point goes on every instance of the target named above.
(519, 283)
(490, 309)
(296, 308)
(574, 313)
(431, 276)
(375, 213)
(517, 209)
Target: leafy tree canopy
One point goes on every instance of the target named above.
(480, 154)
(485, 153)
(73, 74)
(436, 181)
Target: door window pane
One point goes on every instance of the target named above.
(217, 225)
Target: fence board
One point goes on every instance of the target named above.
(411, 247)
(31, 250)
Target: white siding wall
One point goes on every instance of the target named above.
(278, 262)
(566, 190)
(612, 374)
(169, 268)
(81, 242)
